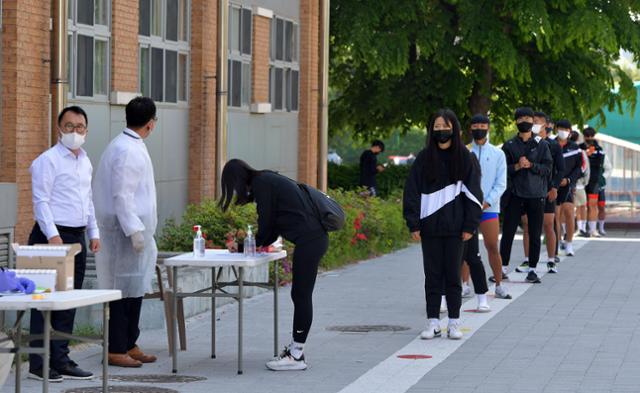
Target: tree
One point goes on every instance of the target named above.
(393, 63)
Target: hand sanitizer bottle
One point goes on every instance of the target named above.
(250, 243)
(198, 242)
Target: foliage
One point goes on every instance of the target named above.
(394, 62)
(399, 143)
(347, 177)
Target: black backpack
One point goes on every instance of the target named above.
(328, 211)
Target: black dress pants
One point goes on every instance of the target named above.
(513, 210)
(124, 324)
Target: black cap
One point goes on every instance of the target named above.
(524, 111)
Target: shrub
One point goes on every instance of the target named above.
(347, 177)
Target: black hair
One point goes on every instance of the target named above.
(75, 109)
(479, 119)
(236, 179)
(574, 136)
(589, 132)
(548, 119)
(378, 143)
(540, 114)
(564, 123)
(458, 149)
(140, 111)
(523, 111)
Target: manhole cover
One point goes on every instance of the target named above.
(122, 389)
(159, 378)
(367, 328)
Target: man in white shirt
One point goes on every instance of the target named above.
(63, 207)
(126, 210)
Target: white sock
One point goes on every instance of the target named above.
(443, 301)
(296, 349)
(592, 226)
(482, 299)
(532, 269)
(454, 321)
(504, 270)
(601, 225)
(552, 259)
(581, 225)
(465, 285)
(434, 321)
(564, 228)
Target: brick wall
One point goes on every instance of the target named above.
(260, 60)
(124, 45)
(309, 83)
(25, 98)
(202, 101)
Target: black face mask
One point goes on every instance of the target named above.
(590, 141)
(525, 126)
(478, 134)
(442, 136)
(549, 130)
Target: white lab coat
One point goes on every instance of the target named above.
(125, 203)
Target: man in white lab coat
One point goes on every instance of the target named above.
(125, 202)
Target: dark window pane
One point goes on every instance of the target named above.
(84, 69)
(279, 39)
(157, 68)
(229, 76)
(246, 84)
(246, 31)
(172, 20)
(294, 43)
(288, 40)
(294, 90)
(171, 75)
(182, 74)
(183, 20)
(287, 89)
(278, 87)
(145, 17)
(85, 12)
(156, 18)
(100, 12)
(70, 63)
(145, 72)
(271, 82)
(236, 84)
(234, 29)
(272, 40)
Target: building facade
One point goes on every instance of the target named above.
(171, 51)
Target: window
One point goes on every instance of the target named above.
(284, 71)
(239, 65)
(88, 47)
(164, 49)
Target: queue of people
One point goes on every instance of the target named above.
(539, 180)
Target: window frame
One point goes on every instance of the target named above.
(181, 47)
(287, 67)
(245, 59)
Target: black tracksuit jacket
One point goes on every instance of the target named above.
(532, 182)
(444, 207)
(573, 163)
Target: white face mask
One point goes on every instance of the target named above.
(72, 140)
(536, 128)
(563, 134)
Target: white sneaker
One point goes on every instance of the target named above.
(286, 362)
(453, 331)
(466, 291)
(595, 234)
(433, 330)
(501, 293)
(569, 250)
(483, 306)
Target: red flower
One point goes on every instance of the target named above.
(361, 236)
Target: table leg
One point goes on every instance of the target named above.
(45, 359)
(276, 284)
(240, 296)
(213, 312)
(105, 347)
(174, 301)
(17, 345)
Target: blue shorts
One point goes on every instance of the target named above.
(488, 216)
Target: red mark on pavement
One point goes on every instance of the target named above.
(471, 310)
(415, 357)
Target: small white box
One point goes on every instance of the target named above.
(45, 279)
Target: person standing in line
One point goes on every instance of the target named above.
(493, 167)
(580, 195)
(64, 213)
(442, 208)
(596, 164)
(573, 170)
(127, 215)
(283, 209)
(539, 128)
(369, 167)
(602, 201)
(529, 165)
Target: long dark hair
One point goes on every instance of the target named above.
(236, 179)
(458, 149)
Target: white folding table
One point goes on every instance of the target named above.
(216, 260)
(57, 301)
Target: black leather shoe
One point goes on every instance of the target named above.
(54, 376)
(72, 371)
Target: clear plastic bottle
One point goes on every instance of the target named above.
(249, 243)
(198, 242)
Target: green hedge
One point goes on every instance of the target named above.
(374, 226)
(347, 177)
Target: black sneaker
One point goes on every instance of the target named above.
(54, 376)
(583, 234)
(72, 371)
(556, 259)
(493, 279)
(551, 266)
(523, 268)
(532, 277)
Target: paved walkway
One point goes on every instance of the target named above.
(577, 331)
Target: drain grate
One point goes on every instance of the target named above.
(122, 389)
(155, 378)
(367, 328)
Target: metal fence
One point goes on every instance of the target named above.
(623, 184)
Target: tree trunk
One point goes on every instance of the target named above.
(480, 100)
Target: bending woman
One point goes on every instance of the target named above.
(442, 208)
(283, 210)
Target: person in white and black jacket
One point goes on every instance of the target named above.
(442, 207)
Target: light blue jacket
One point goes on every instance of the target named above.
(493, 165)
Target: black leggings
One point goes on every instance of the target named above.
(442, 260)
(306, 259)
(476, 267)
(534, 209)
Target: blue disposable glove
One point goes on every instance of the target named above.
(27, 286)
(8, 281)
